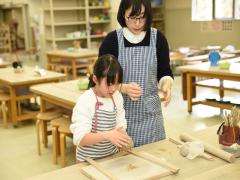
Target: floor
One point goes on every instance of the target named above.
(18, 152)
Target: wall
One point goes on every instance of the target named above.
(114, 10)
(181, 31)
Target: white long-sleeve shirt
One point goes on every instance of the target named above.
(83, 113)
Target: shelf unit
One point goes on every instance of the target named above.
(86, 21)
(158, 12)
(5, 39)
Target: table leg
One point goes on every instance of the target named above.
(43, 105)
(74, 69)
(49, 62)
(189, 92)
(13, 104)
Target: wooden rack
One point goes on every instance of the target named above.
(5, 39)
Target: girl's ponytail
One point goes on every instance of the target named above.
(91, 82)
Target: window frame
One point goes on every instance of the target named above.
(234, 16)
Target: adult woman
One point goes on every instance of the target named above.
(144, 56)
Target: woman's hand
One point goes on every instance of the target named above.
(133, 90)
(166, 90)
(118, 137)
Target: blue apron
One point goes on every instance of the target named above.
(144, 117)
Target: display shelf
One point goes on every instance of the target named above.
(5, 39)
(71, 20)
(100, 22)
(158, 12)
(67, 23)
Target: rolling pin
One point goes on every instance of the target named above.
(210, 148)
(203, 155)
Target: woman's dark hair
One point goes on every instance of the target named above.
(106, 66)
(136, 11)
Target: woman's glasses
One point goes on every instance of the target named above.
(134, 19)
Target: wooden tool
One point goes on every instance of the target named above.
(155, 160)
(100, 168)
(211, 149)
(203, 155)
(127, 166)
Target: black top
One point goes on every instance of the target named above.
(110, 46)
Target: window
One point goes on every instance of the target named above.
(237, 9)
(223, 9)
(202, 10)
(206, 10)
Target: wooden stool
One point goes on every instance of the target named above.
(43, 118)
(63, 131)
(4, 98)
(56, 123)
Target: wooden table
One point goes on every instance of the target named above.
(204, 58)
(25, 79)
(64, 94)
(169, 151)
(191, 72)
(63, 55)
(4, 64)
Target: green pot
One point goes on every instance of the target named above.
(224, 65)
(83, 84)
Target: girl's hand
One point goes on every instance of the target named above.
(118, 137)
(166, 89)
(134, 91)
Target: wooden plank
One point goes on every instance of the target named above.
(153, 159)
(100, 168)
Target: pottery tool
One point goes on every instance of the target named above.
(100, 168)
(203, 155)
(211, 149)
(155, 160)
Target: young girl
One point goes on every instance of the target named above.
(98, 120)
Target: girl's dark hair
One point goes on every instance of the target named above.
(136, 10)
(106, 66)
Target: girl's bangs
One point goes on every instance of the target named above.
(111, 76)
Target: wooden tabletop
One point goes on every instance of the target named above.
(28, 76)
(4, 64)
(75, 54)
(66, 92)
(206, 68)
(168, 151)
(205, 57)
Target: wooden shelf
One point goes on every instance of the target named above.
(158, 13)
(100, 22)
(99, 7)
(214, 104)
(62, 18)
(97, 36)
(65, 8)
(66, 39)
(215, 84)
(67, 23)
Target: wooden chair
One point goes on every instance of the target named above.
(64, 131)
(43, 118)
(56, 123)
(4, 99)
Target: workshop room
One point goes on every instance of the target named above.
(119, 89)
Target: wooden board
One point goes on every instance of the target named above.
(127, 167)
